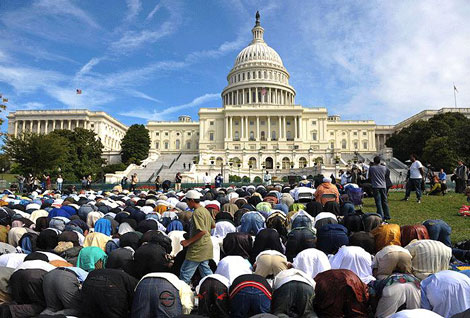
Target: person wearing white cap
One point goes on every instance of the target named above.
(199, 244)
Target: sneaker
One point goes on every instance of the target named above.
(419, 201)
(404, 199)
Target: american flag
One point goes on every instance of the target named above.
(263, 91)
(5, 100)
(79, 91)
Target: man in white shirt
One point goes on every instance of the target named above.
(267, 179)
(207, 180)
(415, 180)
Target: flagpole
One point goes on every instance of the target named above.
(455, 96)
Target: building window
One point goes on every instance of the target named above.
(289, 137)
(236, 123)
(355, 133)
(166, 144)
(236, 136)
(243, 76)
(248, 75)
(332, 144)
(252, 123)
(189, 134)
(177, 143)
(253, 98)
(188, 145)
(211, 136)
(344, 144)
(364, 133)
(211, 123)
(166, 134)
(197, 133)
(177, 134)
(355, 145)
(263, 136)
(314, 122)
(157, 134)
(262, 122)
(332, 133)
(314, 136)
(288, 123)
(239, 77)
(157, 145)
(237, 147)
(259, 74)
(344, 134)
(252, 135)
(365, 145)
(273, 135)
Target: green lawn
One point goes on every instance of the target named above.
(431, 207)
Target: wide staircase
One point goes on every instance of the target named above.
(166, 166)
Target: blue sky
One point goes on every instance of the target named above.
(149, 59)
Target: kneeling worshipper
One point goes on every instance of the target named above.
(298, 240)
(331, 237)
(324, 218)
(270, 263)
(240, 244)
(250, 294)
(266, 239)
(251, 222)
(340, 293)
(415, 313)
(27, 290)
(312, 262)
(61, 288)
(161, 295)
(391, 259)
(439, 230)
(212, 293)
(233, 266)
(413, 232)
(355, 259)
(386, 234)
(107, 293)
(91, 258)
(446, 293)
(395, 292)
(428, 257)
(293, 294)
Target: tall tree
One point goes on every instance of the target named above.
(83, 155)
(135, 145)
(36, 154)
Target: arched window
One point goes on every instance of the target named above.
(252, 135)
(157, 145)
(177, 143)
(188, 145)
(252, 162)
(344, 144)
(289, 137)
(285, 163)
(166, 145)
(263, 136)
(273, 135)
(364, 144)
(302, 162)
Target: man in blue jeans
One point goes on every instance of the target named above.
(377, 173)
(416, 179)
(199, 244)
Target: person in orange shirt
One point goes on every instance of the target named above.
(329, 189)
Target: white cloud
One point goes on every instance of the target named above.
(154, 10)
(389, 59)
(89, 65)
(224, 48)
(133, 9)
(162, 114)
(136, 93)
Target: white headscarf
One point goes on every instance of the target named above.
(356, 259)
(312, 262)
(233, 266)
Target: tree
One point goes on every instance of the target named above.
(4, 162)
(135, 145)
(83, 155)
(440, 141)
(36, 154)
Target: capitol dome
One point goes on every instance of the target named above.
(258, 75)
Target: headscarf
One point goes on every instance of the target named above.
(230, 208)
(312, 262)
(130, 239)
(103, 225)
(238, 244)
(96, 239)
(356, 259)
(89, 256)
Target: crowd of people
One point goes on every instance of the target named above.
(253, 251)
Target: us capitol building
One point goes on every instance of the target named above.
(259, 125)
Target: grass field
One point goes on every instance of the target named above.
(431, 207)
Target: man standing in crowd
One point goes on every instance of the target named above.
(267, 178)
(199, 244)
(377, 175)
(218, 181)
(21, 180)
(134, 181)
(59, 181)
(207, 181)
(461, 177)
(178, 178)
(416, 179)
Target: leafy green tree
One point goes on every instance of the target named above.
(4, 162)
(438, 153)
(36, 154)
(135, 145)
(83, 155)
(257, 179)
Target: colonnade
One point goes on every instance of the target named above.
(259, 95)
(46, 126)
(273, 124)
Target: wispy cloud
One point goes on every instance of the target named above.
(223, 49)
(133, 9)
(138, 94)
(163, 114)
(89, 65)
(154, 10)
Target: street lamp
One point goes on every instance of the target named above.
(249, 171)
(239, 165)
(277, 166)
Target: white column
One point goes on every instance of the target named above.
(295, 127)
(53, 125)
(257, 129)
(69, 124)
(256, 95)
(249, 101)
(285, 127)
(226, 127)
(39, 126)
(23, 127)
(247, 128)
(231, 127)
(243, 96)
(61, 124)
(280, 128)
(269, 128)
(30, 126)
(242, 128)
